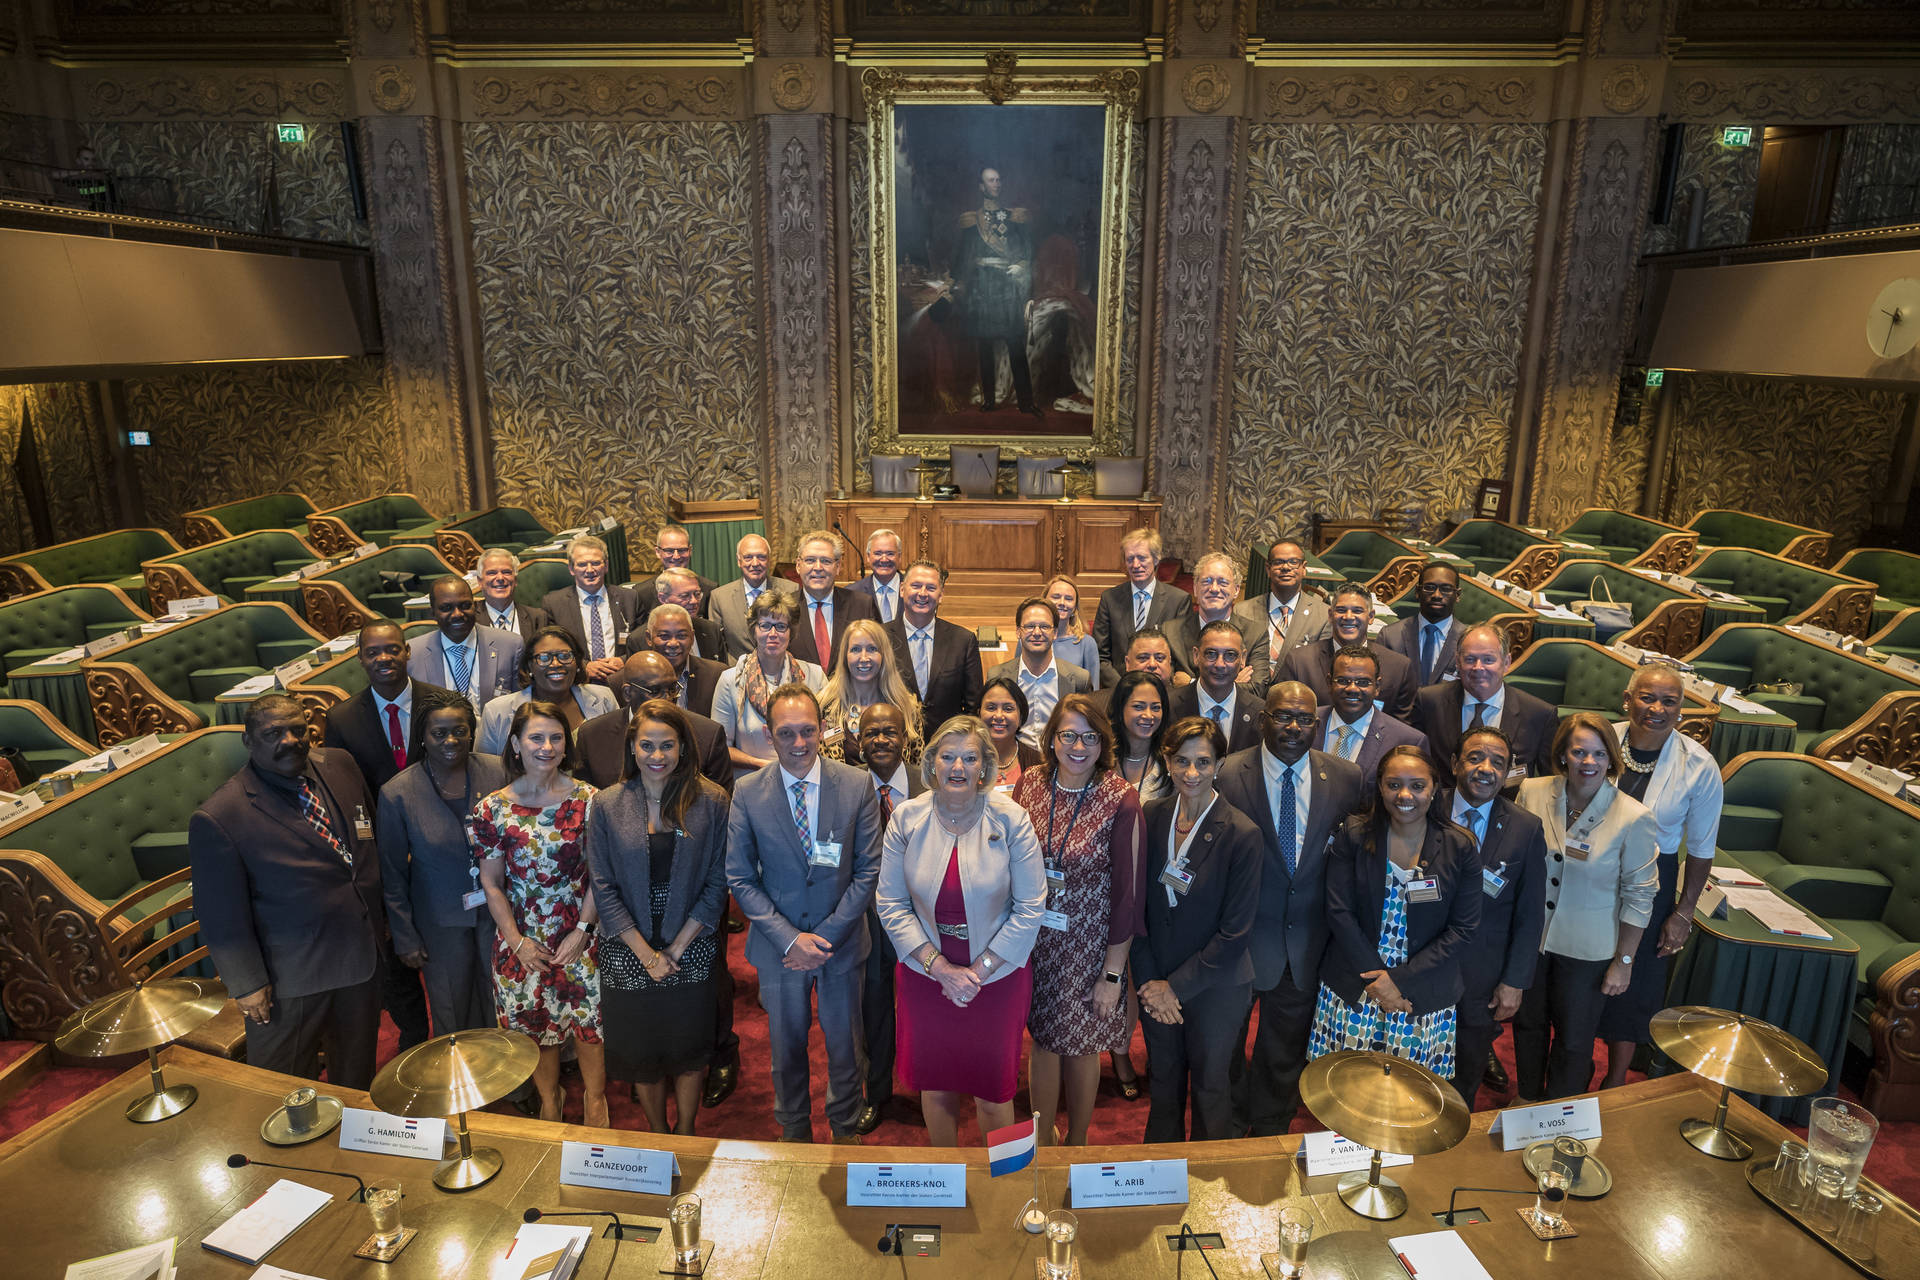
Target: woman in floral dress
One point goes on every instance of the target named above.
(533, 869)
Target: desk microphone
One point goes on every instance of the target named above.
(859, 551)
(238, 1161)
(890, 1242)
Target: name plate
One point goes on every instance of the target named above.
(194, 604)
(422, 1137)
(1905, 666)
(1097, 1186)
(583, 1164)
(607, 522)
(318, 566)
(288, 672)
(17, 804)
(127, 752)
(364, 550)
(939, 1185)
(105, 644)
(1683, 582)
(1523, 1126)
(1891, 781)
(1328, 1152)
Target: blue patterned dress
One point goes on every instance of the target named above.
(1423, 1038)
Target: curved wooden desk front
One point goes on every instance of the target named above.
(86, 1182)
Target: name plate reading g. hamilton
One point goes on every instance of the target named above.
(939, 1185)
(586, 1164)
(422, 1137)
(1098, 1186)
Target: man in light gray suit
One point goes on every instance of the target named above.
(803, 857)
(1287, 616)
(478, 663)
(1042, 677)
(729, 602)
(1352, 728)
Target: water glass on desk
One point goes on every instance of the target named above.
(1859, 1223)
(1549, 1204)
(1790, 1170)
(683, 1217)
(383, 1206)
(1839, 1134)
(1296, 1229)
(1062, 1229)
(1828, 1196)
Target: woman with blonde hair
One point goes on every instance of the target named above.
(865, 672)
(1072, 642)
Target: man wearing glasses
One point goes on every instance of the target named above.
(1353, 728)
(1350, 614)
(1287, 616)
(674, 545)
(1220, 655)
(1042, 677)
(1217, 581)
(601, 742)
(1296, 796)
(1431, 637)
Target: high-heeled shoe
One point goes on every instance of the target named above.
(1124, 1075)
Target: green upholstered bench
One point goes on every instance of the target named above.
(350, 595)
(338, 530)
(1665, 619)
(1900, 636)
(1894, 574)
(288, 510)
(85, 851)
(461, 539)
(44, 742)
(1504, 551)
(1477, 604)
(1626, 538)
(1386, 565)
(1579, 675)
(167, 682)
(37, 626)
(1725, 527)
(1843, 850)
(1790, 592)
(110, 559)
(225, 568)
(1847, 706)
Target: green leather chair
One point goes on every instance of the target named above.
(1504, 551)
(350, 595)
(43, 741)
(1894, 574)
(167, 682)
(1665, 619)
(66, 862)
(40, 625)
(1626, 538)
(1788, 591)
(1843, 850)
(1384, 564)
(110, 559)
(1847, 706)
(1477, 604)
(288, 510)
(225, 568)
(1900, 636)
(1724, 527)
(335, 681)
(338, 530)
(1579, 675)
(461, 540)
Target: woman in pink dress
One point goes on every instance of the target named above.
(961, 894)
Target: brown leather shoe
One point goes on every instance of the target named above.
(848, 1140)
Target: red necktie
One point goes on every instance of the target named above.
(886, 806)
(820, 644)
(395, 738)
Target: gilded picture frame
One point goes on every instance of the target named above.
(1117, 94)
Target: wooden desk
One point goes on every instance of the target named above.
(87, 1181)
(999, 549)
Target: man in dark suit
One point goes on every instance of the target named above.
(1431, 636)
(1353, 728)
(597, 614)
(882, 580)
(1481, 696)
(1042, 677)
(1219, 695)
(1349, 614)
(1216, 590)
(1141, 601)
(803, 858)
(670, 631)
(939, 661)
(1150, 650)
(674, 545)
(825, 610)
(499, 574)
(601, 743)
(1286, 616)
(883, 737)
(286, 879)
(681, 587)
(1498, 963)
(478, 663)
(1296, 796)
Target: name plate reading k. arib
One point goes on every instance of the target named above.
(1328, 1152)
(583, 1164)
(422, 1137)
(1523, 1126)
(1100, 1186)
(942, 1186)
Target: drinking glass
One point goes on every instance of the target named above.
(1549, 1204)
(1062, 1228)
(1829, 1194)
(383, 1206)
(1296, 1229)
(1839, 1135)
(1790, 1175)
(1859, 1224)
(683, 1216)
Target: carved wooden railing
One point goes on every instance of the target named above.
(169, 582)
(1888, 734)
(197, 531)
(1846, 608)
(330, 536)
(52, 958)
(459, 548)
(21, 580)
(332, 609)
(127, 704)
(1395, 576)
(1673, 628)
(1810, 548)
(1533, 566)
(1697, 722)
(1893, 1086)
(1516, 627)
(317, 699)
(1670, 552)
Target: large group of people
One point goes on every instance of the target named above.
(1214, 818)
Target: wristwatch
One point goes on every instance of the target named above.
(1113, 977)
(585, 926)
(1626, 960)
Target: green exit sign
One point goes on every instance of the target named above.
(293, 132)
(1737, 135)
(1656, 376)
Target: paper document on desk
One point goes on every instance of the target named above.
(546, 1251)
(143, 1262)
(257, 1230)
(1729, 876)
(268, 1271)
(1776, 913)
(1437, 1255)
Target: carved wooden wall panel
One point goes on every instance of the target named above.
(1406, 21)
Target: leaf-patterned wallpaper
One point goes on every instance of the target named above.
(1878, 183)
(1714, 183)
(1623, 482)
(218, 169)
(1814, 454)
(1383, 280)
(72, 463)
(620, 315)
(324, 427)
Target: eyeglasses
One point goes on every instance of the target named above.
(558, 659)
(1292, 717)
(1292, 562)
(765, 625)
(1068, 738)
(645, 691)
(1353, 682)
(1436, 589)
(1036, 626)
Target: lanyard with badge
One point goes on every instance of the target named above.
(1057, 874)
(475, 896)
(1492, 879)
(1579, 845)
(1175, 876)
(826, 853)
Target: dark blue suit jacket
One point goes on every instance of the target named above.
(1438, 932)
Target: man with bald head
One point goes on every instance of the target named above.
(1297, 797)
(670, 632)
(601, 743)
(728, 603)
(1481, 696)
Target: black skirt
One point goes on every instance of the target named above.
(654, 1031)
(1628, 1014)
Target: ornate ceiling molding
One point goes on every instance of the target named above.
(549, 22)
(1493, 94)
(214, 94)
(1779, 95)
(602, 95)
(1410, 21)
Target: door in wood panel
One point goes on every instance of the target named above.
(999, 538)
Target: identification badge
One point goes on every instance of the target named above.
(1056, 876)
(1492, 881)
(1423, 890)
(362, 829)
(1579, 849)
(1176, 878)
(826, 853)
(1517, 774)
(1054, 920)
(473, 898)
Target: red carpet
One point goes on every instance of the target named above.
(748, 1114)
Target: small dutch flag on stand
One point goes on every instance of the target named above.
(1010, 1150)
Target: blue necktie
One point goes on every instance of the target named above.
(1429, 651)
(460, 667)
(1473, 825)
(1286, 823)
(922, 661)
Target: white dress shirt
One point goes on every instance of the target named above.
(1302, 791)
(1685, 795)
(1460, 811)
(1043, 694)
(587, 612)
(405, 703)
(508, 621)
(1207, 703)
(1491, 716)
(1359, 728)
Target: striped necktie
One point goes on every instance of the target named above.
(315, 812)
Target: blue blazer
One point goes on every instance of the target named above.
(622, 867)
(1438, 932)
(770, 877)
